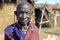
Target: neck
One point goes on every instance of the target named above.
(22, 24)
(25, 28)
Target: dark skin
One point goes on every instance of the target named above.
(23, 14)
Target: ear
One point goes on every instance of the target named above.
(15, 12)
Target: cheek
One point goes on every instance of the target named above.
(18, 17)
(29, 17)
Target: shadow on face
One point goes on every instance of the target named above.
(23, 13)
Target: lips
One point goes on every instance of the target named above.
(24, 19)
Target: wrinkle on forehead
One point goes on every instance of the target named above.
(25, 6)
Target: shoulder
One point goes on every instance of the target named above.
(34, 26)
(9, 29)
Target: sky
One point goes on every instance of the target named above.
(48, 1)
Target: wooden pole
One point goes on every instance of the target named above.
(41, 24)
(55, 19)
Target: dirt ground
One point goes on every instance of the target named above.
(49, 31)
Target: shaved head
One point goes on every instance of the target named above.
(25, 5)
(24, 12)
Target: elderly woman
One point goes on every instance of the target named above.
(23, 29)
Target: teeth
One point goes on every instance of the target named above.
(25, 19)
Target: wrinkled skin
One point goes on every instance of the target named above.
(23, 13)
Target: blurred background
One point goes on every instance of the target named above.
(46, 17)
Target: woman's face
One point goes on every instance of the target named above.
(24, 14)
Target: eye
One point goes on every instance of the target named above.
(26, 12)
(21, 12)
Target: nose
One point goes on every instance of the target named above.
(24, 15)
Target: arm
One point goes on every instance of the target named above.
(9, 33)
(8, 37)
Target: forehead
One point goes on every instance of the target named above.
(24, 7)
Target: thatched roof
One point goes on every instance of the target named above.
(49, 7)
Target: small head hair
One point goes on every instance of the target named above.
(21, 4)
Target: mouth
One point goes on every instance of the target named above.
(24, 18)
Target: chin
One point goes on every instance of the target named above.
(24, 22)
